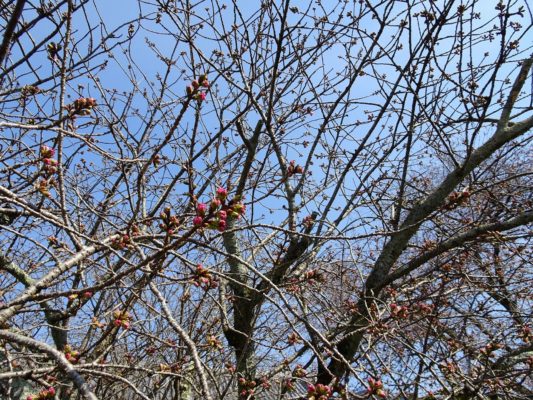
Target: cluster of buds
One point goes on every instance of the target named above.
(378, 328)
(490, 348)
(314, 277)
(121, 319)
(53, 49)
(351, 307)
(97, 324)
(526, 335)
(85, 296)
(293, 285)
(170, 223)
(219, 210)
(230, 367)
(122, 242)
(49, 393)
(294, 339)
(448, 368)
(423, 308)
(299, 371)
(319, 392)
(456, 199)
(81, 106)
(214, 342)
(156, 160)
(71, 355)
(30, 90)
(194, 91)
(308, 221)
(289, 385)
(174, 368)
(43, 186)
(294, 169)
(375, 387)
(54, 242)
(204, 279)
(397, 311)
(265, 383)
(247, 388)
(49, 164)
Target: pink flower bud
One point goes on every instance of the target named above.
(88, 295)
(197, 221)
(222, 215)
(222, 193)
(221, 225)
(195, 84)
(201, 208)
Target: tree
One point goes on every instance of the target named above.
(210, 200)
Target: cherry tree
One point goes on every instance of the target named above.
(266, 200)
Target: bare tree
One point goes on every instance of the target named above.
(259, 200)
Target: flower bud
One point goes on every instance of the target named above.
(222, 193)
(215, 203)
(201, 208)
(197, 221)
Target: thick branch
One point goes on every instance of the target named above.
(59, 357)
(505, 132)
(10, 29)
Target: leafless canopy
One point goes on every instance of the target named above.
(230, 199)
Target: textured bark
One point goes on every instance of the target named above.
(58, 357)
(10, 29)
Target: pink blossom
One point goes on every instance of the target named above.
(221, 225)
(222, 215)
(47, 152)
(202, 96)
